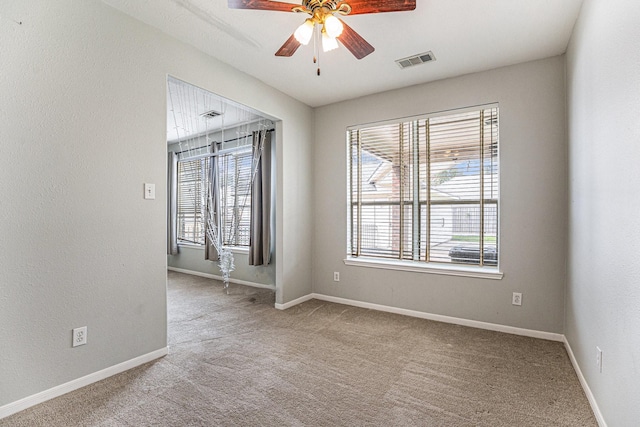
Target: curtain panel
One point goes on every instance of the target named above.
(172, 205)
(260, 240)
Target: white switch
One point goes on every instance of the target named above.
(149, 191)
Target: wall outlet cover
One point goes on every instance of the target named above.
(79, 336)
(517, 298)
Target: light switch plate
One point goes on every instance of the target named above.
(149, 191)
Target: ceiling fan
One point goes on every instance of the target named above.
(331, 27)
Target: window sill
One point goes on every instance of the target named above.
(432, 268)
(234, 249)
(190, 245)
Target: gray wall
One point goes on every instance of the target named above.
(84, 110)
(533, 201)
(603, 291)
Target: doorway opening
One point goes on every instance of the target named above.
(219, 152)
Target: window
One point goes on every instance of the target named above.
(426, 189)
(234, 177)
(235, 187)
(191, 200)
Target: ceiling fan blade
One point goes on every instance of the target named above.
(359, 7)
(289, 47)
(354, 42)
(261, 5)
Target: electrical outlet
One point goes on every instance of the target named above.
(79, 336)
(516, 299)
(599, 359)
(336, 276)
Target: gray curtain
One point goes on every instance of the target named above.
(172, 205)
(213, 205)
(260, 241)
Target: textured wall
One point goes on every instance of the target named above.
(603, 292)
(84, 112)
(533, 199)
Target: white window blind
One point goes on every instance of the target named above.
(191, 200)
(235, 188)
(426, 189)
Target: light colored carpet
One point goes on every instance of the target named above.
(236, 361)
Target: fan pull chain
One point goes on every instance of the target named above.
(315, 45)
(316, 48)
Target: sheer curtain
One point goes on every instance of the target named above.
(172, 205)
(260, 242)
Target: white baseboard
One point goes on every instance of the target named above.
(294, 302)
(583, 382)
(422, 315)
(213, 276)
(445, 319)
(65, 388)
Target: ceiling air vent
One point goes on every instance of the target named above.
(210, 114)
(421, 58)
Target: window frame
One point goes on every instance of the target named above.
(420, 265)
(234, 154)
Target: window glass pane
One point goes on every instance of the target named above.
(382, 182)
(353, 197)
(491, 234)
(424, 233)
(377, 232)
(441, 232)
(407, 232)
(235, 189)
(490, 154)
(455, 157)
(465, 239)
(191, 200)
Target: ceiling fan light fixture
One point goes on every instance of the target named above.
(328, 43)
(325, 14)
(304, 32)
(332, 26)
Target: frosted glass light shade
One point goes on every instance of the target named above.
(304, 32)
(332, 26)
(328, 43)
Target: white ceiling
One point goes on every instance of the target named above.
(187, 103)
(465, 36)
